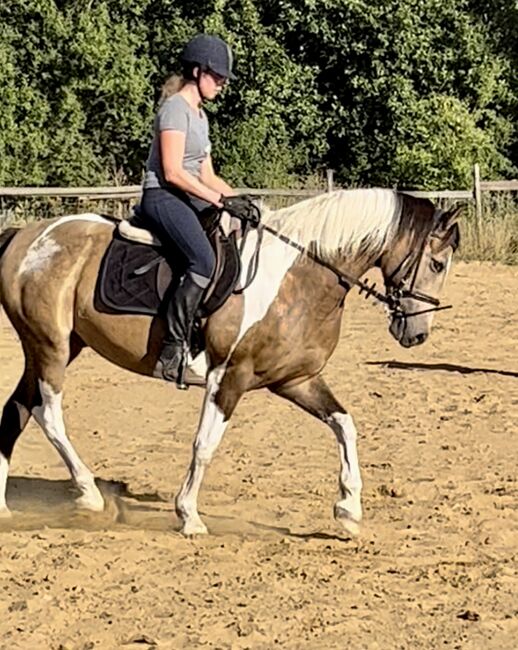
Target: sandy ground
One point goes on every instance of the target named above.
(435, 566)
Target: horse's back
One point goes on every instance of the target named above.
(44, 261)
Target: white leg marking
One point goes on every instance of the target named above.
(44, 247)
(210, 432)
(4, 470)
(348, 510)
(199, 364)
(50, 418)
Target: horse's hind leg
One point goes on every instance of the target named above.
(315, 397)
(50, 373)
(15, 415)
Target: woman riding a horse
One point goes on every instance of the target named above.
(180, 183)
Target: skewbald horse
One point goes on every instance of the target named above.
(278, 334)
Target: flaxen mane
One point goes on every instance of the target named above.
(343, 220)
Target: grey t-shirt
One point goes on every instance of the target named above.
(176, 114)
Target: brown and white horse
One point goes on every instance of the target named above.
(279, 333)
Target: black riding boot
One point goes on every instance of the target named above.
(181, 312)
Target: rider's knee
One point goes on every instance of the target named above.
(206, 264)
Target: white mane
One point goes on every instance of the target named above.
(341, 220)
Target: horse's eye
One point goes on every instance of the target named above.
(436, 266)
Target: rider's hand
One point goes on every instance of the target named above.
(218, 200)
(238, 206)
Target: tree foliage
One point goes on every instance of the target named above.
(401, 92)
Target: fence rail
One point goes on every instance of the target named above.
(134, 191)
(499, 186)
(131, 193)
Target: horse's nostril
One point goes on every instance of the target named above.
(421, 338)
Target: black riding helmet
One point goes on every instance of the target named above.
(210, 53)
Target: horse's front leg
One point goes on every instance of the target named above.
(221, 397)
(315, 397)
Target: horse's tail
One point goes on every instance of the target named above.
(5, 238)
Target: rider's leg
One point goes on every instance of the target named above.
(181, 313)
(174, 221)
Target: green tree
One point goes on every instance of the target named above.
(76, 93)
(416, 91)
(401, 92)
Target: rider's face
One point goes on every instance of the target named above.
(211, 84)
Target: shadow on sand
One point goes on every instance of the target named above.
(38, 503)
(445, 367)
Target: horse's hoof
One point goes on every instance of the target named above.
(192, 528)
(350, 524)
(93, 503)
(5, 513)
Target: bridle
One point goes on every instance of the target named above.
(408, 269)
(398, 286)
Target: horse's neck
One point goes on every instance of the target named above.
(349, 266)
(278, 260)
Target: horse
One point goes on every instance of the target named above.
(278, 333)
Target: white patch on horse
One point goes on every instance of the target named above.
(275, 260)
(50, 418)
(87, 216)
(4, 471)
(39, 255)
(199, 365)
(43, 248)
(210, 432)
(348, 508)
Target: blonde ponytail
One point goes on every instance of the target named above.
(171, 86)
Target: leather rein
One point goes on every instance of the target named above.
(395, 291)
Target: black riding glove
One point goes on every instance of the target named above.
(243, 208)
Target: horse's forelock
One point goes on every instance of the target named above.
(416, 219)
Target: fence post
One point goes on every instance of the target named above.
(330, 182)
(477, 195)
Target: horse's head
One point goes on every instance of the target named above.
(415, 270)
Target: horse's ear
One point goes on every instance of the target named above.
(451, 216)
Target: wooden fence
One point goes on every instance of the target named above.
(131, 193)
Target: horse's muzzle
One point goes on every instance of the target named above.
(405, 334)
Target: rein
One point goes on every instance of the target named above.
(395, 291)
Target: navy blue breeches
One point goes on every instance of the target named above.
(175, 221)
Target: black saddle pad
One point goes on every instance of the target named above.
(137, 279)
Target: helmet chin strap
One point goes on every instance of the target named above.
(198, 86)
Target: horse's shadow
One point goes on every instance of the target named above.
(38, 503)
(446, 367)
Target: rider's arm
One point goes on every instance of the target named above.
(212, 180)
(172, 147)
